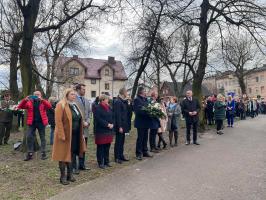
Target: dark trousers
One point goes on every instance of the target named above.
(103, 153)
(242, 115)
(30, 136)
(119, 145)
(194, 125)
(219, 124)
(161, 140)
(210, 117)
(152, 138)
(82, 160)
(142, 140)
(20, 119)
(230, 120)
(5, 128)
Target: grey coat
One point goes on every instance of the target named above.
(86, 113)
(173, 117)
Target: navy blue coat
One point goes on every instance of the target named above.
(102, 119)
(142, 119)
(122, 114)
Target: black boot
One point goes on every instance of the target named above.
(70, 176)
(176, 138)
(63, 178)
(28, 157)
(74, 164)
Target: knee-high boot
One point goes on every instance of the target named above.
(176, 137)
(63, 178)
(70, 176)
(171, 138)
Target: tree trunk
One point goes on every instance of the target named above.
(199, 75)
(242, 84)
(13, 80)
(30, 14)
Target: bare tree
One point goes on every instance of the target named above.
(240, 51)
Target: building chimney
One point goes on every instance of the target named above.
(75, 56)
(111, 60)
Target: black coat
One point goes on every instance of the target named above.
(102, 119)
(190, 106)
(122, 114)
(142, 119)
(51, 115)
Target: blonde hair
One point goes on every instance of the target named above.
(66, 93)
(220, 97)
(52, 99)
(230, 98)
(103, 97)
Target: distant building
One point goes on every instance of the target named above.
(99, 76)
(227, 82)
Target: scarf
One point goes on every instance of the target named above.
(106, 107)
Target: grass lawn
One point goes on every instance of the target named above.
(39, 179)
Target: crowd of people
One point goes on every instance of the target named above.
(70, 120)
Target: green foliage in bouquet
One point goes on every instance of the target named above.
(154, 110)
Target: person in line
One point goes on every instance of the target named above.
(51, 118)
(209, 110)
(191, 109)
(6, 118)
(85, 108)
(230, 111)
(37, 118)
(122, 118)
(163, 125)
(68, 135)
(241, 108)
(142, 123)
(173, 113)
(154, 126)
(104, 125)
(219, 113)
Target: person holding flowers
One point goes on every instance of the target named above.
(142, 123)
(155, 124)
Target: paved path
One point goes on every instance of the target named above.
(227, 167)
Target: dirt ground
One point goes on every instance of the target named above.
(39, 179)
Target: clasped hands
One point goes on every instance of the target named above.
(193, 113)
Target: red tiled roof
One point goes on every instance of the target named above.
(93, 66)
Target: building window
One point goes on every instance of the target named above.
(93, 81)
(93, 94)
(257, 79)
(74, 71)
(262, 89)
(107, 72)
(107, 86)
(249, 90)
(261, 78)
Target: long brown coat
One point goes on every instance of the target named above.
(63, 134)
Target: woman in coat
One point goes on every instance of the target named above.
(68, 138)
(173, 113)
(230, 111)
(219, 113)
(104, 124)
(163, 123)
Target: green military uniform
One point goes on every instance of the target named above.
(6, 117)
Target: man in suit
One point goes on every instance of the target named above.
(6, 118)
(122, 118)
(85, 107)
(142, 123)
(191, 108)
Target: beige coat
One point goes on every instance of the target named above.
(163, 121)
(63, 134)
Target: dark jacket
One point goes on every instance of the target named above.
(219, 110)
(51, 115)
(142, 119)
(102, 119)
(121, 114)
(190, 106)
(209, 106)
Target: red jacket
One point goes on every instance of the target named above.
(28, 105)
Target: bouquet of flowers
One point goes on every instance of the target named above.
(154, 110)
